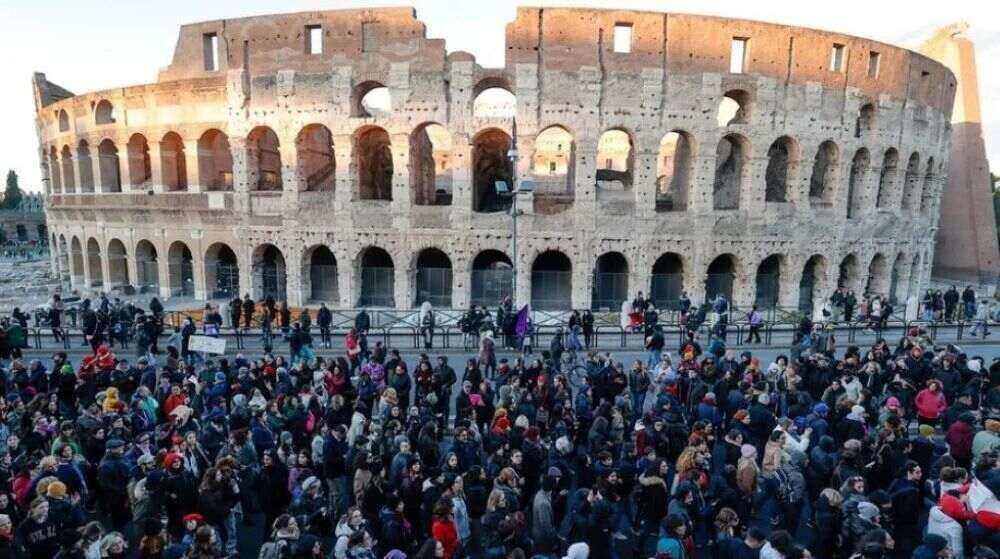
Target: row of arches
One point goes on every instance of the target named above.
(430, 274)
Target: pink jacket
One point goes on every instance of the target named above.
(930, 404)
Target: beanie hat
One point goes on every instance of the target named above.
(892, 403)
(748, 451)
(56, 490)
(578, 550)
(858, 410)
(194, 517)
(821, 409)
(764, 400)
(926, 430)
(170, 459)
(867, 511)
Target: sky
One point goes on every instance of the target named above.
(88, 45)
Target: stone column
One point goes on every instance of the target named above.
(156, 167)
(403, 280)
(79, 165)
(791, 276)
(345, 284)
(292, 181)
(401, 194)
(192, 164)
(701, 185)
(294, 288)
(523, 294)
(242, 177)
(163, 270)
(744, 288)
(200, 277)
(244, 256)
(644, 184)
(343, 175)
(753, 186)
(461, 180)
(583, 278)
(124, 173)
(585, 181)
(694, 277)
(461, 286)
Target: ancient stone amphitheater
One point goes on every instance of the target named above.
(342, 156)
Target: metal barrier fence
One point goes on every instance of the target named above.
(181, 273)
(269, 281)
(227, 281)
(609, 291)
(324, 283)
(552, 290)
(378, 287)
(491, 286)
(719, 284)
(666, 289)
(433, 285)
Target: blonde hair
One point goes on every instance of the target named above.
(833, 497)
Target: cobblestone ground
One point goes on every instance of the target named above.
(25, 283)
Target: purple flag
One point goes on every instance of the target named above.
(523, 324)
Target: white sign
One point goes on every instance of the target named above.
(207, 344)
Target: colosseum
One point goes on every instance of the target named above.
(342, 156)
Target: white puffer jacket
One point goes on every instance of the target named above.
(947, 527)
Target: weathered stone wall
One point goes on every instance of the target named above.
(562, 68)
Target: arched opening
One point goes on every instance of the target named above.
(610, 287)
(317, 165)
(866, 119)
(378, 279)
(492, 278)
(769, 281)
(887, 177)
(667, 281)
(264, 155)
(490, 165)
(371, 99)
(269, 273)
(111, 180)
(96, 279)
(812, 283)
(373, 160)
(927, 193)
(911, 189)
(895, 294)
(781, 160)
(730, 161)
(68, 172)
(22, 233)
(222, 272)
(323, 281)
(76, 258)
(848, 273)
(823, 181)
(140, 169)
(551, 282)
(215, 161)
(173, 164)
(859, 171)
(553, 169)
(720, 277)
(430, 165)
(433, 279)
(734, 108)
(63, 120)
(117, 265)
(147, 268)
(104, 112)
(55, 172)
(878, 277)
(180, 270)
(674, 168)
(86, 167)
(494, 102)
(615, 160)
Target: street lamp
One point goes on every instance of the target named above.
(505, 191)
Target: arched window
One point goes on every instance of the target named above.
(147, 268)
(878, 277)
(68, 170)
(768, 281)
(430, 165)
(180, 270)
(730, 161)
(667, 281)
(222, 272)
(734, 108)
(378, 278)
(824, 174)
(317, 166)
(104, 112)
(782, 157)
(117, 265)
(553, 169)
(433, 278)
(495, 101)
(86, 167)
(859, 170)
(610, 286)
(615, 158)
(866, 119)
(264, 154)
(323, 280)
(812, 284)
(674, 168)
(173, 164)
(848, 273)
(720, 277)
(373, 160)
(371, 99)
(215, 161)
(269, 272)
(140, 169)
(63, 120)
(551, 281)
(107, 153)
(96, 279)
(492, 278)
(887, 177)
(55, 172)
(911, 189)
(490, 164)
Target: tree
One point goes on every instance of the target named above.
(12, 195)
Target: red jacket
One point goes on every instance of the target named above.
(445, 532)
(955, 508)
(930, 404)
(959, 439)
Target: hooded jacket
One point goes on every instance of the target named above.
(943, 525)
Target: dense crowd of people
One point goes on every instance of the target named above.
(887, 451)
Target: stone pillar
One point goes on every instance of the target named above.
(523, 294)
(344, 177)
(583, 278)
(585, 182)
(294, 285)
(191, 163)
(163, 271)
(753, 186)
(79, 165)
(156, 167)
(401, 193)
(791, 276)
(200, 277)
(461, 286)
(403, 280)
(903, 283)
(292, 181)
(242, 177)
(461, 180)
(694, 277)
(345, 284)
(244, 256)
(744, 288)
(701, 185)
(124, 174)
(644, 184)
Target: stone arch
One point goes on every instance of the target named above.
(147, 267)
(887, 177)
(731, 156)
(321, 268)
(180, 270)
(104, 112)
(373, 163)
(222, 272)
(823, 181)
(490, 164)
(674, 171)
(117, 265)
(55, 172)
(378, 278)
(847, 276)
(866, 119)
(86, 167)
(431, 165)
(782, 164)
(768, 281)
(316, 161)
(371, 99)
(269, 272)
(812, 285)
(611, 286)
(667, 281)
(215, 161)
(615, 158)
(898, 270)
(927, 193)
(911, 186)
(860, 165)
(264, 159)
(433, 277)
(173, 164)
(96, 279)
(734, 108)
(878, 276)
(492, 277)
(551, 281)
(493, 97)
(68, 170)
(107, 153)
(720, 277)
(140, 168)
(63, 120)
